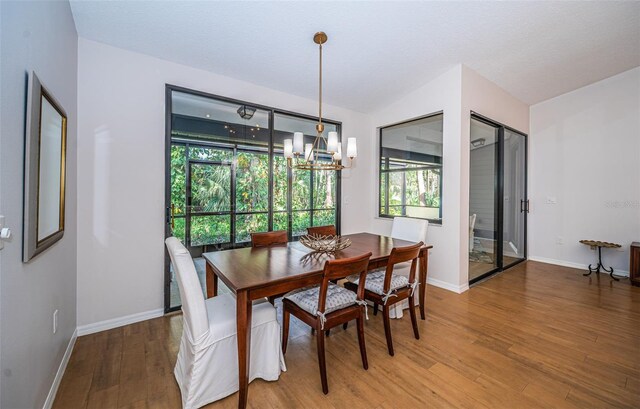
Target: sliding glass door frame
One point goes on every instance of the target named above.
(169, 89)
(499, 195)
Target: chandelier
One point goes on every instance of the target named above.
(309, 156)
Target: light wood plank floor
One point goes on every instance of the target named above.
(535, 336)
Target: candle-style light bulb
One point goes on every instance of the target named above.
(308, 152)
(298, 142)
(288, 148)
(332, 142)
(352, 149)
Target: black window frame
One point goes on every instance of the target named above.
(169, 141)
(385, 173)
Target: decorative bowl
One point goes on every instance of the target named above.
(326, 244)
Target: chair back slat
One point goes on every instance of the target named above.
(337, 269)
(329, 230)
(409, 229)
(401, 255)
(194, 311)
(269, 238)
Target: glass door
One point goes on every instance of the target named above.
(498, 202)
(514, 219)
(483, 199)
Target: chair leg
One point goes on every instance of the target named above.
(414, 319)
(285, 329)
(272, 299)
(321, 362)
(363, 348)
(327, 332)
(345, 325)
(387, 328)
(375, 309)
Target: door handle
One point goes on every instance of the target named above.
(173, 219)
(521, 205)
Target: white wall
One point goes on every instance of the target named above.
(37, 36)
(121, 99)
(457, 92)
(441, 94)
(585, 152)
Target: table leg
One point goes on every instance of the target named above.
(243, 311)
(424, 260)
(599, 266)
(607, 270)
(212, 281)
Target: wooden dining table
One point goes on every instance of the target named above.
(254, 273)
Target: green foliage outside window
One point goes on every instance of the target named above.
(178, 179)
(249, 223)
(252, 182)
(211, 192)
(209, 230)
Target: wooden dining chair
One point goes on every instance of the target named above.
(386, 288)
(329, 230)
(327, 305)
(269, 238)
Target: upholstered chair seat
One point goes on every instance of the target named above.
(337, 298)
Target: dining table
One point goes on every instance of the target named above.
(254, 273)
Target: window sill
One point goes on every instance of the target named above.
(390, 219)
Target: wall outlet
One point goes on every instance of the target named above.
(55, 321)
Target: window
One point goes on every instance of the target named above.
(314, 194)
(228, 176)
(411, 169)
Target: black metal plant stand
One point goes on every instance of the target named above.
(599, 266)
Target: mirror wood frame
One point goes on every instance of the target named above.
(33, 245)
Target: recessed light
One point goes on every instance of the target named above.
(208, 116)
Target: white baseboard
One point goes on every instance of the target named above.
(571, 264)
(448, 286)
(119, 322)
(48, 403)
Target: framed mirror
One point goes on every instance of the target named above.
(44, 170)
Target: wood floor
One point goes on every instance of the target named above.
(477, 268)
(535, 336)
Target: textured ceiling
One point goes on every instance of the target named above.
(378, 51)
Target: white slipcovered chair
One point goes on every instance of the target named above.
(413, 230)
(207, 366)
